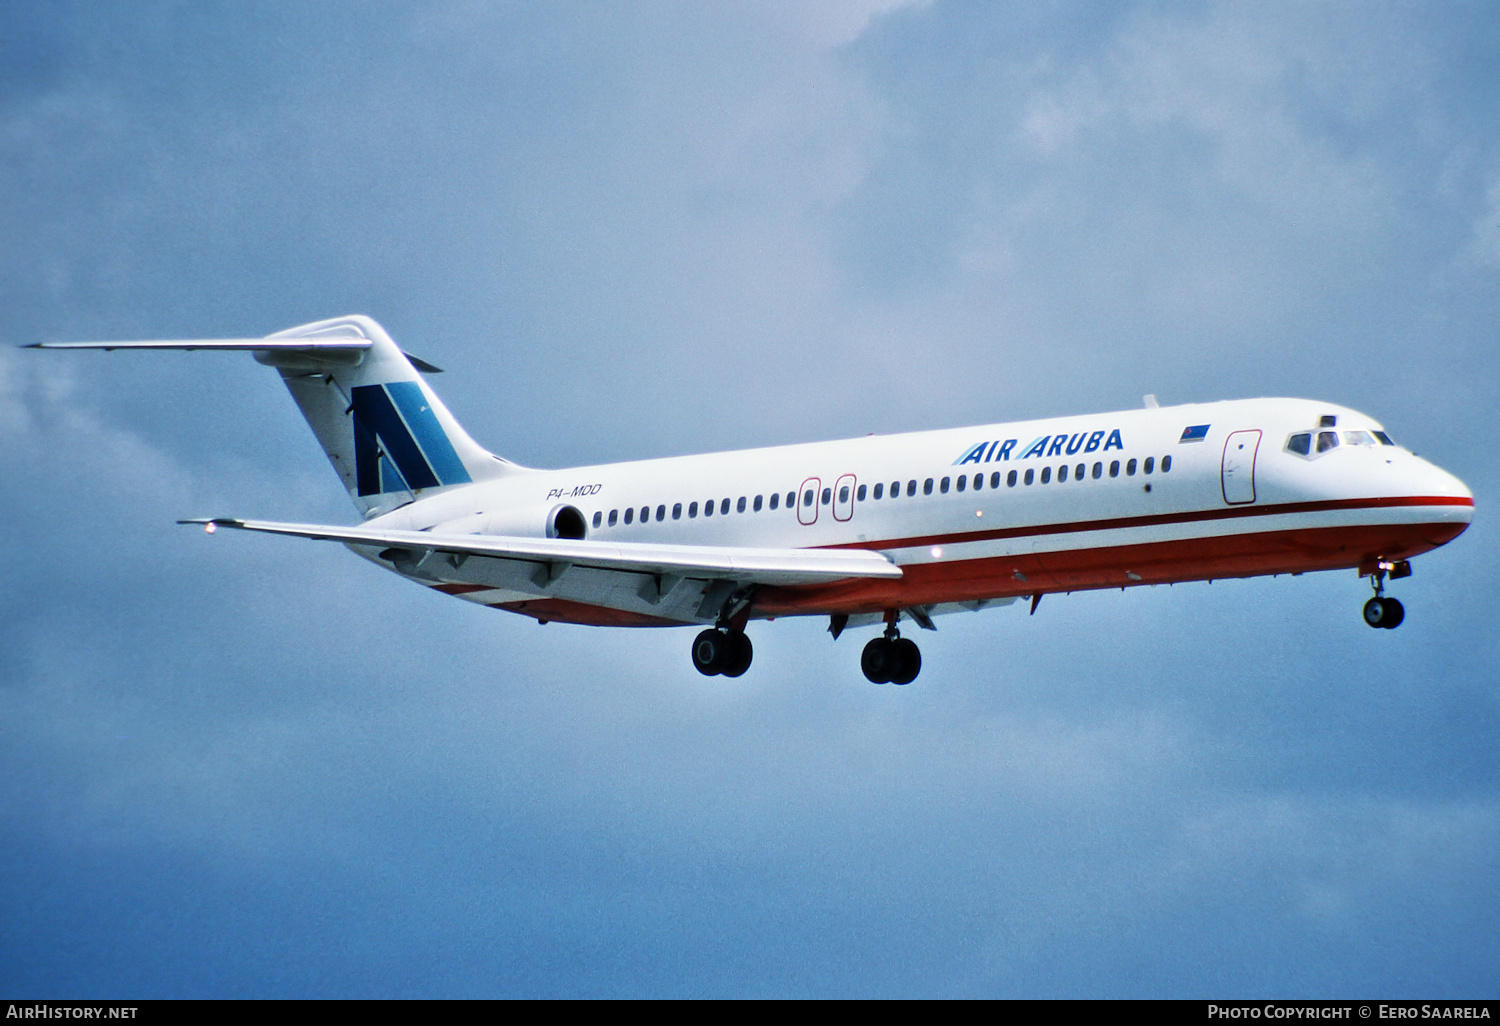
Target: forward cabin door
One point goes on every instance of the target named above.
(1238, 473)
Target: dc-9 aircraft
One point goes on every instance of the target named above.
(864, 531)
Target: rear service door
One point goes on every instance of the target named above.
(1238, 473)
(807, 501)
(843, 498)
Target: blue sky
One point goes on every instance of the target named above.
(254, 766)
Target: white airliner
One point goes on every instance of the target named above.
(864, 531)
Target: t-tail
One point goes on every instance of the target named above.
(389, 437)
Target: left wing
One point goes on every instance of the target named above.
(634, 576)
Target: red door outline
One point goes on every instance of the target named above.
(843, 498)
(807, 512)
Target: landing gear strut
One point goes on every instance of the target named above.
(1381, 611)
(891, 659)
(726, 652)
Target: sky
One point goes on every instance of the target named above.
(247, 766)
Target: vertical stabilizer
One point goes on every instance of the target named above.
(387, 434)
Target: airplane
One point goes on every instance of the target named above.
(866, 531)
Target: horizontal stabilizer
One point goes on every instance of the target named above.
(266, 344)
(746, 565)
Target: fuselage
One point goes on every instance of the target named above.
(985, 514)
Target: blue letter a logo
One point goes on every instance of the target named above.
(398, 443)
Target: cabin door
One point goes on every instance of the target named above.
(807, 501)
(843, 498)
(1238, 472)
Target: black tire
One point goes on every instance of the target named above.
(711, 650)
(878, 660)
(1375, 613)
(908, 661)
(1395, 612)
(740, 654)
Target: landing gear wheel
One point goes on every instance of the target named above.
(879, 661)
(908, 660)
(740, 654)
(712, 651)
(1384, 612)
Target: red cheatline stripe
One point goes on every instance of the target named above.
(1231, 513)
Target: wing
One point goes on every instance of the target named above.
(683, 583)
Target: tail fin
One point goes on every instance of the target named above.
(387, 434)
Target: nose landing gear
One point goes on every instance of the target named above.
(1381, 611)
(891, 659)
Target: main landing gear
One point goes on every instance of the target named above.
(891, 659)
(1381, 611)
(726, 652)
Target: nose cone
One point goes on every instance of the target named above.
(1449, 502)
(1438, 482)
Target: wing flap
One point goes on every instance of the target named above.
(555, 556)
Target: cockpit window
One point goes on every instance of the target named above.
(1301, 444)
(1327, 440)
(1358, 438)
(1385, 439)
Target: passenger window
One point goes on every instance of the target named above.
(1385, 439)
(756, 505)
(1149, 466)
(1166, 464)
(1130, 468)
(1028, 476)
(995, 479)
(1079, 471)
(879, 489)
(1098, 471)
(927, 487)
(629, 515)
(676, 511)
(895, 489)
(775, 499)
(827, 496)
(1358, 438)
(1062, 473)
(844, 494)
(708, 508)
(692, 510)
(724, 507)
(598, 517)
(860, 495)
(614, 517)
(1327, 440)
(1114, 468)
(943, 487)
(1010, 479)
(661, 513)
(963, 482)
(791, 499)
(1046, 474)
(911, 487)
(739, 507)
(808, 497)
(1300, 444)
